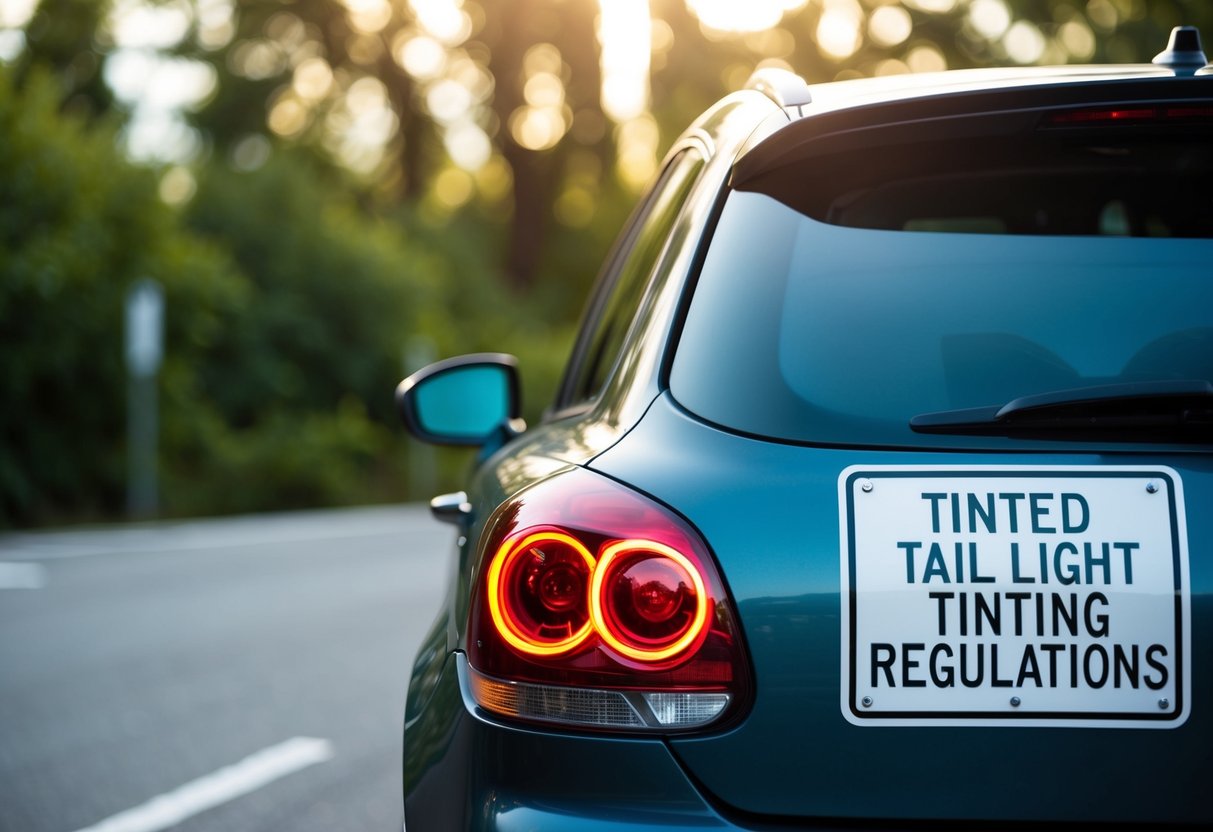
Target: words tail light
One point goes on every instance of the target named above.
(596, 607)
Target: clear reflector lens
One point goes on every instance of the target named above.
(683, 710)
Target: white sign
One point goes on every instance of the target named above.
(144, 328)
(1014, 595)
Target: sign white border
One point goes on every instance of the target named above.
(849, 481)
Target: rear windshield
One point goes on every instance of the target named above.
(837, 316)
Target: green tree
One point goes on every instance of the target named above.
(61, 38)
(301, 384)
(77, 227)
(287, 307)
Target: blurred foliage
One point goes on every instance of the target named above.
(77, 227)
(289, 314)
(373, 184)
(60, 39)
(335, 292)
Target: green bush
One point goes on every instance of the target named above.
(302, 382)
(337, 293)
(77, 228)
(291, 312)
(287, 313)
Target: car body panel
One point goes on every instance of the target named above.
(771, 513)
(463, 770)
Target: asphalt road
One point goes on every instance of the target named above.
(242, 674)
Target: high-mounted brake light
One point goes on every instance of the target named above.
(596, 607)
(1094, 116)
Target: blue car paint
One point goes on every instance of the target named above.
(770, 512)
(776, 504)
(477, 774)
(800, 761)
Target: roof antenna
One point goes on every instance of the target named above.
(1183, 54)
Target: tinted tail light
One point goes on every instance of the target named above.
(594, 606)
(536, 592)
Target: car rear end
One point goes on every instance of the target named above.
(913, 532)
(941, 407)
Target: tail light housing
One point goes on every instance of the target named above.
(596, 607)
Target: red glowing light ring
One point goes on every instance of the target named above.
(598, 612)
(509, 551)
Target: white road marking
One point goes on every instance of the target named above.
(219, 787)
(22, 575)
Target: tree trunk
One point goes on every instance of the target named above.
(519, 25)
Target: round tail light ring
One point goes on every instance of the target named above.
(551, 590)
(653, 605)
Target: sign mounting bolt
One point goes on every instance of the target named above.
(1016, 701)
(1151, 487)
(1163, 704)
(866, 486)
(867, 701)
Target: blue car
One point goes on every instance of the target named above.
(877, 490)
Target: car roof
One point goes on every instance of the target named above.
(1183, 57)
(931, 106)
(1179, 72)
(861, 92)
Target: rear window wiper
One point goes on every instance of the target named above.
(1152, 410)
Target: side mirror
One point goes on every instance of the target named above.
(469, 400)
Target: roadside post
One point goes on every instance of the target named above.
(144, 352)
